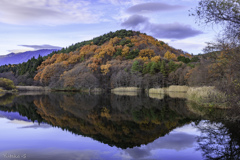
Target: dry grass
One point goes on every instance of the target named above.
(157, 91)
(125, 93)
(32, 88)
(126, 89)
(182, 95)
(207, 95)
(173, 91)
(175, 88)
(156, 96)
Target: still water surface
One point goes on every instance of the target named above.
(75, 127)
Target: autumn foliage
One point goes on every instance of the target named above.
(97, 58)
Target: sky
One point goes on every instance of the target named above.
(51, 24)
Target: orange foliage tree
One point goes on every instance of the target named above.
(105, 68)
(95, 63)
(125, 51)
(146, 53)
(61, 57)
(88, 49)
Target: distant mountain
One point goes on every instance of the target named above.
(13, 116)
(16, 58)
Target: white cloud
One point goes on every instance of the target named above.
(20, 50)
(192, 45)
(45, 12)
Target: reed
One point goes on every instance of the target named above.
(181, 95)
(126, 89)
(156, 96)
(175, 88)
(157, 90)
(32, 88)
(207, 95)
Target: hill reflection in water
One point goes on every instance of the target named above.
(132, 123)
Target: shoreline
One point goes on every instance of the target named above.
(206, 96)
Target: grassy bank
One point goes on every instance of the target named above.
(173, 88)
(207, 96)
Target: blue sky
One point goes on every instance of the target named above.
(31, 24)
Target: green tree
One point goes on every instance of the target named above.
(163, 67)
(136, 67)
(195, 59)
(153, 68)
(172, 66)
(183, 59)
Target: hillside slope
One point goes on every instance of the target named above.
(121, 58)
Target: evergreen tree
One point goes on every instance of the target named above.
(163, 67)
(153, 68)
(136, 67)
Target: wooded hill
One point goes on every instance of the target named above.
(122, 58)
(117, 59)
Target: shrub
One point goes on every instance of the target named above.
(7, 84)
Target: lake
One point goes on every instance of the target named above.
(74, 126)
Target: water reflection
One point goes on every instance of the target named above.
(141, 127)
(120, 121)
(218, 140)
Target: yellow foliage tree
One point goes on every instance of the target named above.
(140, 58)
(146, 53)
(105, 68)
(74, 59)
(114, 40)
(108, 49)
(167, 55)
(156, 58)
(125, 51)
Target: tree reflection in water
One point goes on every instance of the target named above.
(121, 121)
(127, 121)
(218, 140)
